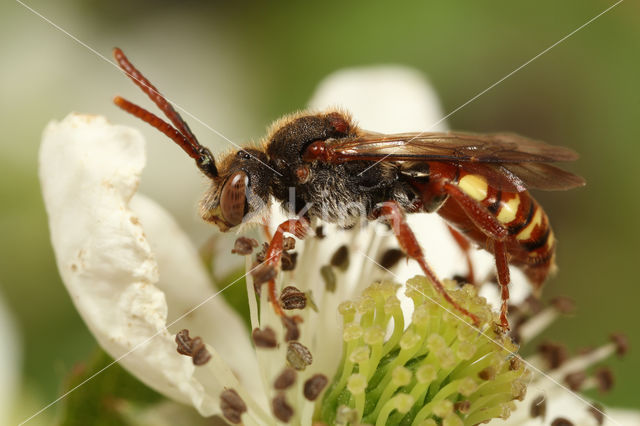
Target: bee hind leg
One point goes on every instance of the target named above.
(502, 266)
(392, 213)
(497, 235)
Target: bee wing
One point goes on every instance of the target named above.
(508, 161)
(544, 176)
(449, 146)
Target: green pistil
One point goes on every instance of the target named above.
(421, 375)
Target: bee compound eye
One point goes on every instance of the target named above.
(233, 197)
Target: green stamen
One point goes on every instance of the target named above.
(418, 374)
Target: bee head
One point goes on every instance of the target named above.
(239, 192)
(239, 186)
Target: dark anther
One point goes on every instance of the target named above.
(314, 386)
(515, 363)
(286, 379)
(291, 325)
(265, 338)
(261, 256)
(298, 356)
(554, 354)
(244, 246)
(281, 408)
(538, 407)
(329, 278)
(201, 356)
(564, 305)
(604, 377)
(194, 348)
(262, 273)
(575, 380)
(232, 406)
(340, 258)
(462, 406)
(390, 258)
(622, 343)
(488, 373)
(185, 343)
(292, 298)
(320, 232)
(288, 243)
(289, 260)
(597, 411)
(561, 421)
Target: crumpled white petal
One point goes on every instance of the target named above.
(128, 267)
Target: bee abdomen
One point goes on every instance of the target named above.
(531, 239)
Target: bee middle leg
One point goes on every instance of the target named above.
(497, 234)
(297, 227)
(409, 244)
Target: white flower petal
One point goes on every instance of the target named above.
(186, 286)
(388, 99)
(89, 171)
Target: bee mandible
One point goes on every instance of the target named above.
(477, 182)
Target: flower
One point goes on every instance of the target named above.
(139, 285)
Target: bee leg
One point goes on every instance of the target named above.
(497, 234)
(297, 227)
(409, 244)
(465, 246)
(502, 265)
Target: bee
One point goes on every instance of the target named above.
(339, 172)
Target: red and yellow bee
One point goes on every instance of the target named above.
(477, 182)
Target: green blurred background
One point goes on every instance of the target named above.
(238, 67)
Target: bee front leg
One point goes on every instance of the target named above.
(297, 227)
(497, 234)
(409, 244)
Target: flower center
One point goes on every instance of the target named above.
(437, 370)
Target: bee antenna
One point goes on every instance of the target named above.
(180, 134)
